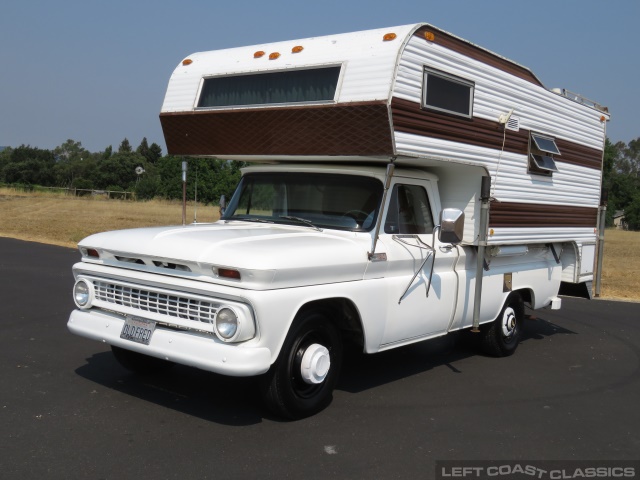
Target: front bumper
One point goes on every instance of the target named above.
(200, 350)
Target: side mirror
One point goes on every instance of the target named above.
(451, 226)
(223, 204)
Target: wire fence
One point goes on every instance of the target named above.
(76, 192)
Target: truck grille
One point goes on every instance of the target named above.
(171, 305)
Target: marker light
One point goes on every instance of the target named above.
(258, 54)
(297, 49)
(229, 273)
(389, 36)
(187, 61)
(274, 56)
(429, 36)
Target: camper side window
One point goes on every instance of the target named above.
(447, 93)
(541, 152)
(409, 211)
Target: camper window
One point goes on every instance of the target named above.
(541, 152)
(281, 87)
(447, 93)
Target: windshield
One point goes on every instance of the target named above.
(343, 202)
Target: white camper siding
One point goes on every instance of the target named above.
(497, 92)
(571, 185)
(368, 65)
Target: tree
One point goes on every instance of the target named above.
(29, 165)
(621, 171)
(150, 153)
(125, 147)
(632, 213)
(214, 178)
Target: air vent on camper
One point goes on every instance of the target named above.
(513, 124)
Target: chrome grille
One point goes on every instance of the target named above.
(171, 305)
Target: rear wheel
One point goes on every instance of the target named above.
(500, 338)
(301, 382)
(139, 363)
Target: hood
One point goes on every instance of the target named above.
(267, 255)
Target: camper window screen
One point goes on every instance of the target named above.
(292, 86)
(447, 93)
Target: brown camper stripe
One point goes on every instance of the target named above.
(353, 129)
(477, 53)
(520, 215)
(578, 154)
(409, 117)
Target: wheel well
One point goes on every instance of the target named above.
(344, 315)
(527, 296)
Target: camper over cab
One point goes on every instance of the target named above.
(403, 184)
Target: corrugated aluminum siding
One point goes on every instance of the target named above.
(497, 92)
(368, 65)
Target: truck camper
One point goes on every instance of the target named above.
(403, 184)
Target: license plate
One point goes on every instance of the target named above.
(138, 330)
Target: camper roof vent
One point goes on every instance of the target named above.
(513, 124)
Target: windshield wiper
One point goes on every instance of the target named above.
(308, 223)
(249, 219)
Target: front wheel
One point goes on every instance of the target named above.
(301, 382)
(500, 338)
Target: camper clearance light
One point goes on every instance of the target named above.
(429, 36)
(274, 56)
(297, 49)
(389, 36)
(187, 61)
(258, 54)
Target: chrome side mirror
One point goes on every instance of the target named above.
(451, 226)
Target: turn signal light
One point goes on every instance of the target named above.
(389, 36)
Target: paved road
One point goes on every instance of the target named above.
(68, 410)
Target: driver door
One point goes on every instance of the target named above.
(407, 235)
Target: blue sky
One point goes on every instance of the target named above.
(96, 71)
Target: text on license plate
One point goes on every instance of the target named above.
(138, 330)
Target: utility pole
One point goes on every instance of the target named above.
(184, 193)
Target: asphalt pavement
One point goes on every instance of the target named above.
(68, 410)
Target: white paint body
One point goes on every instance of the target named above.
(285, 268)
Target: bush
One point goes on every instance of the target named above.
(147, 187)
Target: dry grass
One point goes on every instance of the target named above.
(62, 220)
(621, 265)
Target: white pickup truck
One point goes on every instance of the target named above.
(364, 220)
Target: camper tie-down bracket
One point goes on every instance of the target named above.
(555, 254)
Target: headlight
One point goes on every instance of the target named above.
(82, 294)
(227, 324)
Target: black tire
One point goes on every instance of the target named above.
(285, 392)
(139, 363)
(500, 338)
